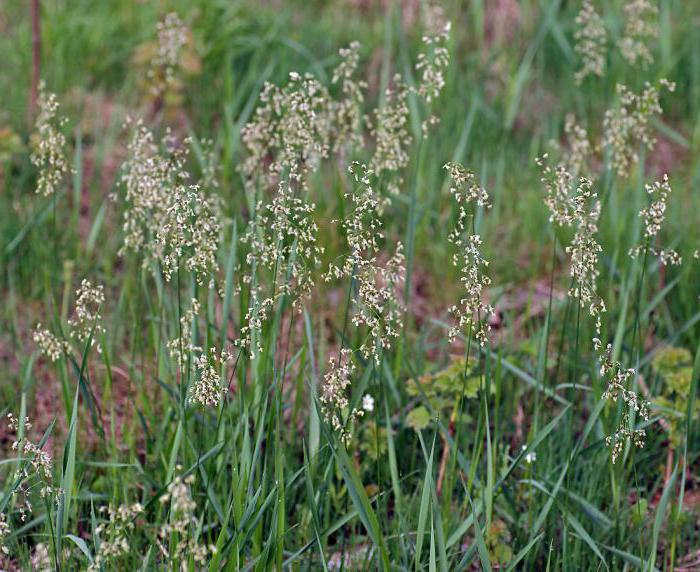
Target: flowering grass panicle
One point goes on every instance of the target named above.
(390, 131)
(114, 534)
(472, 310)
(290, 129)
(87, 323)
(653, 217)
(626, 126)
(641, 27)
(585, 249)
(558, 183)
(464, 187)
(36, 470)
(283, 239)
(172, 37)
(190, 234)
(618, 381)
(581, 209)
(334, 396)
(208, 388)
(348, 117)
(391, 120)
(146, 177)
(655, 214)
(579, 148)
(170, 222)
(256, 315)
(377, 305)
(4, 533)
(591, 39)
(432, 63)
(623, 434)
(49, 345)
(182, 525)
(433, 18)
(182, 346)
(363, 227)
(49, 145)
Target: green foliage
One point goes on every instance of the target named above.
(443, 392)
(674, 366)
(496, 459)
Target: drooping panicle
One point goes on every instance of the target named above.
(472, 311)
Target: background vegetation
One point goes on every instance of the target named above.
(500, 462)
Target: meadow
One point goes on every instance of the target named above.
(350, 285)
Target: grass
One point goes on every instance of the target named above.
(498, 461)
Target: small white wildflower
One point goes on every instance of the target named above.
(530, 456)
(368, 403)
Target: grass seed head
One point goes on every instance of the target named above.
(172, 36)
(653, 217)
(641, 28)
(591, 39)
(87, 323)
(626, 126)
(49, 145)
(472, 311)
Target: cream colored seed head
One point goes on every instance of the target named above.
(472, 311)
(49, 145)
(591, 38)
(641, 28)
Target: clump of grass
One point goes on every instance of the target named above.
(270, 363)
